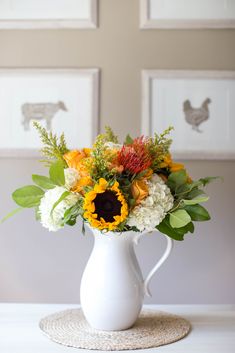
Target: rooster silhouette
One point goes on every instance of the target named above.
(196, 116)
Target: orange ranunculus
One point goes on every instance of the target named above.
(139, 190)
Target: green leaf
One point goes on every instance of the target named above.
(83, 228)
(179, 218)
(62, 197)
(28, 196)
(174, 233)
(194, 193)
(72, 213)
(71, 222)
(197, 213)
(207, 180)
(132, 203)
(128, 140)
(188, 228)
(43, 181)
(12, 213)
(183, 189)
(56, 172)
(37, 214)
(177, 179)
(196, 200)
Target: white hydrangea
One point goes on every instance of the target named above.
(112, 145)
(53, 221)
(152, 210)
(71, 177)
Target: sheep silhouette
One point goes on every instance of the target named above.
(40, 111)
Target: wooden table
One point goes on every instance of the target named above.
(213, 329)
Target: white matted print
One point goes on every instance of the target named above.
(23, 14)
(199, 104)
(187, 14)
(62, 100)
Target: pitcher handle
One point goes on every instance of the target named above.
(167, 252)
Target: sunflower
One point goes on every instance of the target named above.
(105, 206)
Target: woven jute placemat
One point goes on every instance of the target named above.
(152, 329)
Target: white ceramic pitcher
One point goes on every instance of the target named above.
(112, 286)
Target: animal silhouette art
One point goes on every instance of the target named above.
(196, 116)
(40, 111)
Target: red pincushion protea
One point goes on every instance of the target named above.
(135, 157)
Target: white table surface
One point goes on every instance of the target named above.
(213, 329)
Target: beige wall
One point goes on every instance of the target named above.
(37, 266)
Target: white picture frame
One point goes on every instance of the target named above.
(65, 99)
(199, 104)
(190, 14)
(77, 14)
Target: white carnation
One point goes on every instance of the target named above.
(54, 220)
(153, 209)
(71, 177)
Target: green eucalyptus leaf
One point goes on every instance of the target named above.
(56, 172)
(62, 197)
(179, 218)
(43, 181)
(28, 196)
(72, 213)
(196, 200)
(174, 233)
(83, 228)
(132, 203)
(207, 180)
(197, 213)
(10, 214)
(37, 214)
(194, 193)
(183, 189)
(176, 179)
(188, 228)
(71, 222)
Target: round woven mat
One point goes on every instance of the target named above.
(152, 329)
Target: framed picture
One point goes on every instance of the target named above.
(199, 104)
(187, 14)
(34, 14)
(62, 100)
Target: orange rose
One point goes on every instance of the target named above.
(81, 183)
(73, 158)
(76, 159)
(139, 190)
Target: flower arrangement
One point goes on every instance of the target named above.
(115, 187)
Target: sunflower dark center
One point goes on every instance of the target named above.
(107, 206)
